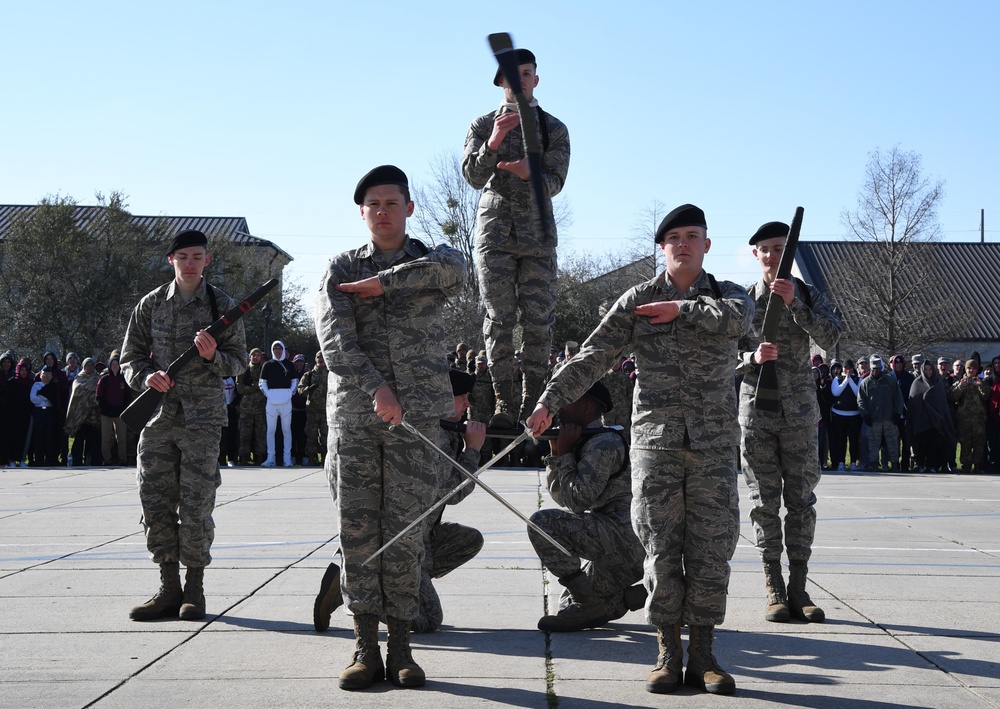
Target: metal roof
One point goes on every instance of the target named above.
(233, 228)
(967, 275)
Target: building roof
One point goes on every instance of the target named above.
(968, 276)
(233, 228)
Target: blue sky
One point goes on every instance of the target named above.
(273, 111)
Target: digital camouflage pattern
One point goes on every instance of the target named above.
(594, 484)
(447, 545)
(780, 450)
(516, 269)
(685, 511)
(621, 388)
(482, 399)
(253, 416)
(382, 479)
(971, 401)
(684, 436)
(178, 470)
(313, 386)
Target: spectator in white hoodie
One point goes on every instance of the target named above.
(278, 381)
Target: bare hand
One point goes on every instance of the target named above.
(502, 125)
(766, 352)
(387, 405)
(475, 435)
(366, 288)
(784, 288)
(569, 434)
(518, 167)
(660, 312)
(206, 345)
(539, 421)
(159, 381)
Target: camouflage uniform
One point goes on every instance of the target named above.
(382, 479)
(621, 388)
(313, 385)
(780, 451)
(516, 271)
(178, 466)
(253, 417)
(683, 437)
(482, 398)
(970, 420)
(592, 481)
(447, 545)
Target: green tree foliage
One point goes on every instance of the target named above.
(70, 277)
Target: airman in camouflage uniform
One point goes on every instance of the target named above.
(178, 466)
(682, 327)
(589, 476)
(970, 395)
(516, 270)
(253, 415)
(448, 545)
(313, 386)
(780, 451)
(378, 319)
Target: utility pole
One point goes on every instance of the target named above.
(982, 226)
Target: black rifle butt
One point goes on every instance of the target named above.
(141, 409)
(768, 395)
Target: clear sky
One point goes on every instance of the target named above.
(273, 111)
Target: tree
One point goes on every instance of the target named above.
(887, 292)
(644, 230)
(69, 279)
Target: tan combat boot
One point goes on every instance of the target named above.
(328, 600)
(703, 670)
(585, 609)
(366, 669)
(666, 676)
(799, 603)
(401, 670)
(167, 601)
(193, 607)
(776, 610)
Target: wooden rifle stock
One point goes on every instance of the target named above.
(138, 413)
(768, 395)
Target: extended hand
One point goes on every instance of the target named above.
(660, 312)
(159, 381)
(366, 288)
(518, 167)
(475, 435)
(206, 345)
(784, 288)
(569, 434)
(502, 125)
(387, 405)
(539, 421)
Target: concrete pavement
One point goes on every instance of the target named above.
(907, 568)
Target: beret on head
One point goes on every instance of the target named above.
(770, 230)
(684, 215)
(381, 175)
(188, 238)
(599, 393)
(524, 56)
(461, 382)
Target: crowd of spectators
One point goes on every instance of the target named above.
(905, 415)
(69, 415)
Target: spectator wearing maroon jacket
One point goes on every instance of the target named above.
(112, 398)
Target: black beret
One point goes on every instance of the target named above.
(771, 230)
(684, 215)
(381, 175)
(523, 57)
(601, 395)
(187, 239)
(461, 382)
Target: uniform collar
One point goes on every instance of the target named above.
(174, 291)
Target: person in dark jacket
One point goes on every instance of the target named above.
(928, 421)
(113, 396)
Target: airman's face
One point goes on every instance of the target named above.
(684, 249)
